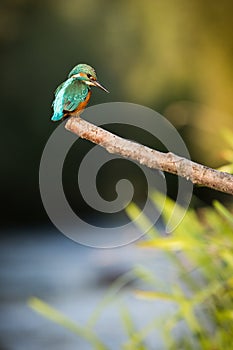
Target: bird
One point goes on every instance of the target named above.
(73, 95)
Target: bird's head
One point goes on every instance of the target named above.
(87, 75)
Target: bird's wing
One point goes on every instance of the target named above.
(74, 93)
(68, 95)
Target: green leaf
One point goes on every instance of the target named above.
(147, 294)
(223, 212)
(53, 315)
(127, 320)
(140, 220)
(168, 243)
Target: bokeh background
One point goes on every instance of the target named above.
(172, 56)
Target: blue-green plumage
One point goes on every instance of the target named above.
(68, 96)
(73, 94)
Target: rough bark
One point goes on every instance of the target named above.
(197, 173)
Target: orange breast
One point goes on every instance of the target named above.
(79, 109)
(82, 105)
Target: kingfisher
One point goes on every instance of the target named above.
(73, 95)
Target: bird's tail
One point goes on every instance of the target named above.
(57, 116)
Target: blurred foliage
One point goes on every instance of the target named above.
(57, 317)
(201, 247)
(201, 250)
(173, 56)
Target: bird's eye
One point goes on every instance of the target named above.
(90, 77)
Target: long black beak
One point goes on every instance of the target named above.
(97, 84)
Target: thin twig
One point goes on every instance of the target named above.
(169, 162)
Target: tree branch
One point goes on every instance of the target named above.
(169, 162)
